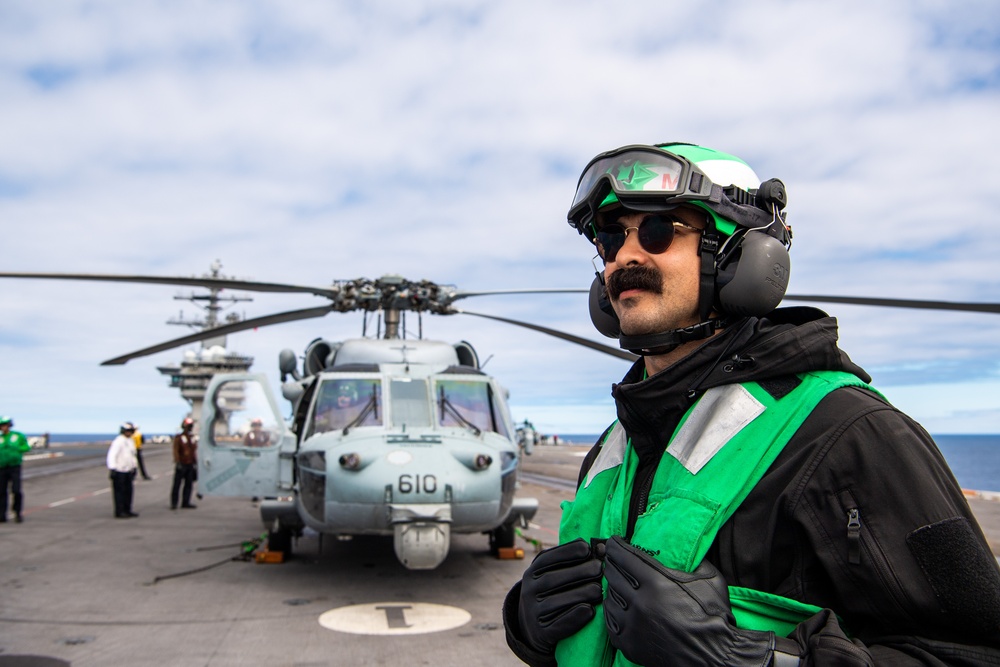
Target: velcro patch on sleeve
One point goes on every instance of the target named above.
(964, 575)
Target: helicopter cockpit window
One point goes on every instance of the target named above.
(467, 404)
(342, 403)
(243, 416)
(409, 403)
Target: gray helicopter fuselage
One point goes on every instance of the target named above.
(389, 437)
(409, 458)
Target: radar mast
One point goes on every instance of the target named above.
(197, 368)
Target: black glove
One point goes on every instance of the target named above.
(559, 591)
(659, 616)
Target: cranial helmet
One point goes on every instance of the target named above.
(5, 420)
(744, 248)
(347, 390)
(187, 423)
(127, 426)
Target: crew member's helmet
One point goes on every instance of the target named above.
(347, 391)
(127, 426)
(744, 245)
(6, 421)
(187, 423)
(256, 421)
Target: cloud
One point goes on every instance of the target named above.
(305, 142)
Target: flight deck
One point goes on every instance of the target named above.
(170, 587)
(182, 587)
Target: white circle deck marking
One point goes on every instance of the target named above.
(394, 618)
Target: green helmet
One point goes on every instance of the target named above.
(6, 421)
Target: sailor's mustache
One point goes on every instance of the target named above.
(637, 277)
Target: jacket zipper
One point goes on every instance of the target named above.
(854, 536)
(645, 476)
(856, 542)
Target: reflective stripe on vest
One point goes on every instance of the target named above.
(722, 447)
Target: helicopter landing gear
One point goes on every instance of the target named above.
(279, 538)
(501, 537)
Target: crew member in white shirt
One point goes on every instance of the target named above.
(122, 462)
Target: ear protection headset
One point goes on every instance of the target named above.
(751, 276)
(744, 273)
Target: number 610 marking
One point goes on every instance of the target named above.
(417, 484)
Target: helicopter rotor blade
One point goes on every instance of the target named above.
(335, 292)
(966, 306)
(539, 290)
(900, 303)
(210, 283)
(395, 293)
(600, 347)
(277, 318)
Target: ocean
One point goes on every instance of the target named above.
(975, 459)
(55, 438)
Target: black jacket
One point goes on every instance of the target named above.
(859, 514)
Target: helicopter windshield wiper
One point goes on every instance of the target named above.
(370, 407)
(446, 405)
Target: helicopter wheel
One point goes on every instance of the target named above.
(501, 537)
(280, 540)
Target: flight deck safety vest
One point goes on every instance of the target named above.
(720, 450)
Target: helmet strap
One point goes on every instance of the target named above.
(706, 287)
(667, 341)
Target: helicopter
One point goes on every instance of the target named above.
(387, 435)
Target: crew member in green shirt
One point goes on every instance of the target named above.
(13, 445)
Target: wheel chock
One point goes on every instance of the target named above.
(269, 556)
(510, 553)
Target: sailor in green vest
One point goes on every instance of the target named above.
(756, 502)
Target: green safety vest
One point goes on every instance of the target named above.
(720, 450)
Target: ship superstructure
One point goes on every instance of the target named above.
(198, 367)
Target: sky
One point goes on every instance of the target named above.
(305, 142)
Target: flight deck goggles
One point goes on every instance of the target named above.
(641, 177)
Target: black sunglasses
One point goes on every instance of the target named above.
(655, 233)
